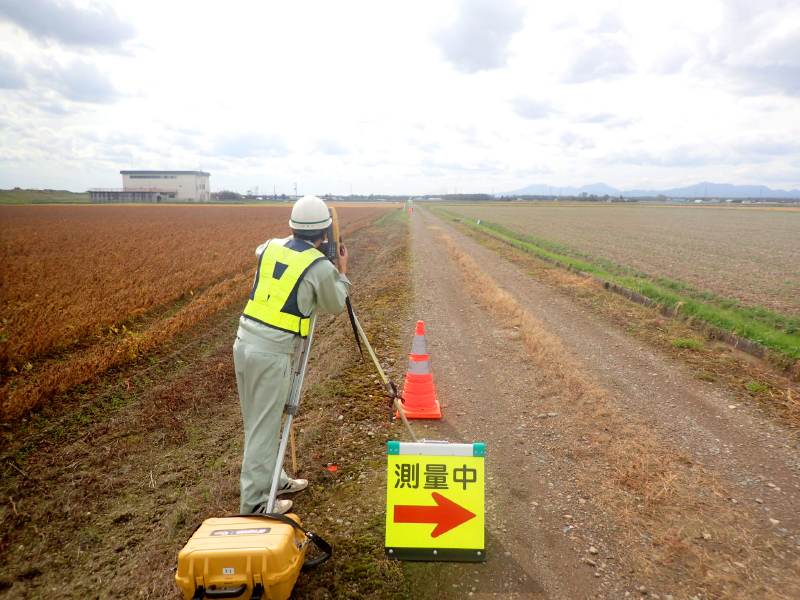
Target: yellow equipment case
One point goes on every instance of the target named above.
(259, 555)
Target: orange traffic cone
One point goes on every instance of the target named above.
(418, 394)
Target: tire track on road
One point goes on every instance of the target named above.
(487, 387)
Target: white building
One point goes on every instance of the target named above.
(191, 186)
(157, 186)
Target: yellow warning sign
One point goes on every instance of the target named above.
(435, 501)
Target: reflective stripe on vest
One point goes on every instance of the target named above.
(281, 268)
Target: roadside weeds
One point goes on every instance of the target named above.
(750, 379)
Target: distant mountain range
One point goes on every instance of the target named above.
(700, 190)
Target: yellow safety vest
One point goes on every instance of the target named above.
(281, 268)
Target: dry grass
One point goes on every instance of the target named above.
(649, 488)
(71, 273)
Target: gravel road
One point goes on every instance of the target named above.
(490, 393)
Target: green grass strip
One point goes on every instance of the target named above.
(743, 321)
(18, 196)
(772, 319)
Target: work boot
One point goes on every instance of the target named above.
(281, 507)
(294, 486)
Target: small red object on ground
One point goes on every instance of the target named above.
(333, 468)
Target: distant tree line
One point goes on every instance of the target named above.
(227, 195)
(582, 197)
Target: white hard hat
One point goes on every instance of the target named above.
(310, 212)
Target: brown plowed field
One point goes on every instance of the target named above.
(752, 256)
(77, 279)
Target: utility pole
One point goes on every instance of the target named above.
(295, 190)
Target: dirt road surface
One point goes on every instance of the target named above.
(547, 534)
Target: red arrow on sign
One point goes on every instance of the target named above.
(446, 514)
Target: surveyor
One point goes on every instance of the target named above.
(293, 278)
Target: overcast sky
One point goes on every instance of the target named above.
(403, 97)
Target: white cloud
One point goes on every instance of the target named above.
(93, 25)
(410, 98)
(78, 80)
(605, 59)
(609, 22)
(597, 118)
(570, 140)
(332, 147)
(248, 145)
(530, 108)
(756, 49)
(478, 38)
(12, 76)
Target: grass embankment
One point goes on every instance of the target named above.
(770, 329)
(19, 196)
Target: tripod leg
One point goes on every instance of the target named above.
(294, 451)
(290, 409)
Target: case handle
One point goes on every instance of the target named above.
(324, 546)
(258, 592)
(226, 592)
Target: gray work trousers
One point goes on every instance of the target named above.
(263, 377)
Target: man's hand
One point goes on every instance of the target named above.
(341, 263)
